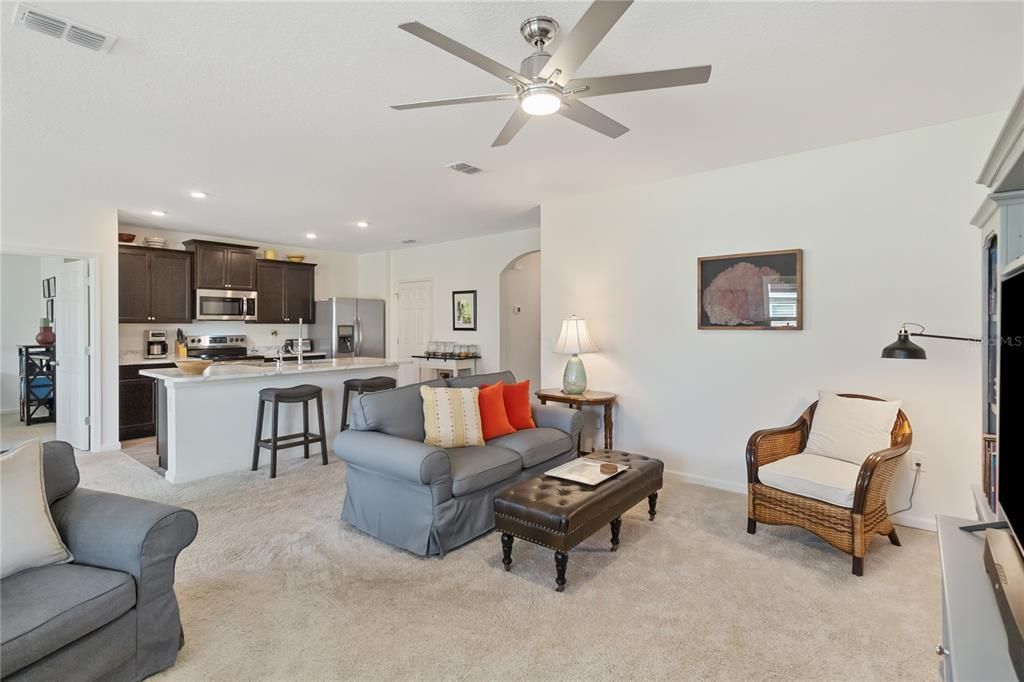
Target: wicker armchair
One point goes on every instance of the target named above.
(848, 530)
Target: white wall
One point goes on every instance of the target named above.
(884, 228)
(21, 305)
(520, 331)
(36, 221)
(465, 264)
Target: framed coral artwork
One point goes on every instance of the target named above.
(751, 291)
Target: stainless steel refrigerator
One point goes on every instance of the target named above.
(349, 327)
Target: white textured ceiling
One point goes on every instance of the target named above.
(280, 110)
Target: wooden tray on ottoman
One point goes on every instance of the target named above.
(559, 515)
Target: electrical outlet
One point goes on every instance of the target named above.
(919, 460)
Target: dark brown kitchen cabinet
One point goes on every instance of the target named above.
(298, 293)
(223, 266)
(137, 398)
(284, 292)
(269, 292)
(154, 285)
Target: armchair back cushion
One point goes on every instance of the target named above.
(396, 412)
(60, 472)
(850, 429)
(28, 535)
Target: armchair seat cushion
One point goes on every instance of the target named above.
(535, 445)
(479, 466)
(821, 478)
(47, 608)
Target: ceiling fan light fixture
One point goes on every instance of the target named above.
(541, 100)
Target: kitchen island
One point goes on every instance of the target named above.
(206, 424)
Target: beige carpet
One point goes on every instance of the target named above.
(277, 587)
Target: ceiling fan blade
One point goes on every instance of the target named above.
(593, 119)
(454, 100)
(514, 125)
(634, 82)
(464, 53)
(592, 27)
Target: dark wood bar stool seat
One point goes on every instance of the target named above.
(361, 386)
(294, 394)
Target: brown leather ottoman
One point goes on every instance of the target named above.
(560, 514)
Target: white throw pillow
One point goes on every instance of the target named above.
(850, 429)
(28, 537)
(451, 417)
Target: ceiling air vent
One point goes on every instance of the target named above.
(62, 28)
(462, 167)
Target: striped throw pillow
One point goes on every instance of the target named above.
(451, 417)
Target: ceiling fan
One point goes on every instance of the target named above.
(544, 83)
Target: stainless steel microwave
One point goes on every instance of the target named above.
(214, 304)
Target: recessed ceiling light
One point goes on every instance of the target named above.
(310, 235)
(158, 213)
(196, 194)
(362, 223)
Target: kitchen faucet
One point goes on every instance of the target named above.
(300, 343)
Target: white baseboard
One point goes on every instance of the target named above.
(731, 486)
(9, 410)
(904, 519)
(106, 447)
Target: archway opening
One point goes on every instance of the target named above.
(520, 317)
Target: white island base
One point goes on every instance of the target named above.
(206, 424)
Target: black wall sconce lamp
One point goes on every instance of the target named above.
(905, 349)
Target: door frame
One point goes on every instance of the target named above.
(95, 327)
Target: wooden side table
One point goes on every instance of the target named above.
(577, 401)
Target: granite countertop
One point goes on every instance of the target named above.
(236, 371)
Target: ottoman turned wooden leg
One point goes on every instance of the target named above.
(616, 526)
(652, 505)
(561, 561)
(506, 550)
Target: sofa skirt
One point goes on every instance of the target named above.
(404, 514)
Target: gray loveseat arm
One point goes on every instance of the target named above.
(392, 456)
(141, 538)
(561, 418)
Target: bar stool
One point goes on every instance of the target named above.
(295, 394)
(361, 386)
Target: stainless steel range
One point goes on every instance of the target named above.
(220, 348)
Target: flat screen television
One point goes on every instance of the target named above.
(1010, 446)
(1004, 552)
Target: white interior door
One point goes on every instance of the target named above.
(71, 326)
(415, 324)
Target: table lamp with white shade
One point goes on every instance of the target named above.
(573, 340)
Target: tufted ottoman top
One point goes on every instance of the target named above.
(543, 508)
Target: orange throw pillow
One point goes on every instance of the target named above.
(517, 405)
(492, 411)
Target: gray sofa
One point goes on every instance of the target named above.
(111, 614)
(429, 500)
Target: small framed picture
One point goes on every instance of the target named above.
(464, 310)
(47, 292)
(49, 310)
